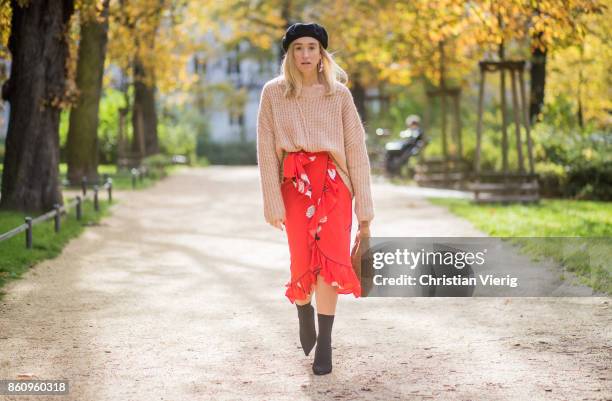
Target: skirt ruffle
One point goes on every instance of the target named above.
(323, 199)
(335, 274)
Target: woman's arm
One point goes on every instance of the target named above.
(357, 158)
(269, 165)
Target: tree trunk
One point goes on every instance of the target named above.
(35, 90)
(359, 96)
(144, 115)
(82, 142)
(288, 18)
(538, 82)
(580, 85)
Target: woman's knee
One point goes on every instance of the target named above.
(324, 285)
(306, 300)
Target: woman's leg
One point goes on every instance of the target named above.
(327, 297)
(304, 301)
(306, 317)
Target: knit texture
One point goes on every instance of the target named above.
(325, 123)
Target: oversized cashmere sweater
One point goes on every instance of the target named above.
(325, 123)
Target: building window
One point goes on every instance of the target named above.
(199, 65)
(236, 119)
(233, 61)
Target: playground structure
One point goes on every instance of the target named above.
(450, 170)
(506, 185)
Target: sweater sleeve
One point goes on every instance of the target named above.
(267, 159)
(357, 159)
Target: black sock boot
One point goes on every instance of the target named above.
(308, 333)
(323, 353)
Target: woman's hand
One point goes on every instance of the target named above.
(279, 223)
(364, 229)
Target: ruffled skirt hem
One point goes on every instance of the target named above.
(339, 275)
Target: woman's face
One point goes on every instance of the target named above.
(306, 54)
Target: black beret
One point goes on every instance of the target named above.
(300, 29)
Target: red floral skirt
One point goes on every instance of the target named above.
(318, 221)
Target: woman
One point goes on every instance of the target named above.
(313, 161)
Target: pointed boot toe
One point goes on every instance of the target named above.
(308, 333)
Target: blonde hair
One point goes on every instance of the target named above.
(331, 74)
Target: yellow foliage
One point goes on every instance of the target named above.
(374, 41)
(582, 70)
(5, 28)
(153, 32)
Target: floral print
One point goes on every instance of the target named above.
(319, 208)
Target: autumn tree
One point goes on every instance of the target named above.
(149, 44)
(82, 141)
(36, 90)
(539, 26)
(353, 43)
(581, 71)
(243, 29)
(135, 25)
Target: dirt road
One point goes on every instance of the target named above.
(179, 295)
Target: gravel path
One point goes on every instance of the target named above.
(179, 295)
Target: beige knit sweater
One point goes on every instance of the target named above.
(332, 124)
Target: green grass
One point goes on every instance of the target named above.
(46, 243)
(589, 257)
(550, 218)
(399, 180)
(121, 179)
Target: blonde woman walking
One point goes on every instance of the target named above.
(313, 162)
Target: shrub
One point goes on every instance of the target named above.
(229, 153)
(583, 162)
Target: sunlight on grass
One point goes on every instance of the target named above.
(591, 220)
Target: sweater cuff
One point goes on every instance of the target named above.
(360, 175)
(360, 178)
(364, 209)
(364, 214)
(274, 207)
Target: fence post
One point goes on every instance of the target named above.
(134, 178)
(96, 206)
(109, 187)
(28, 221)
(84, 185)
(57, 216)
(78, 208)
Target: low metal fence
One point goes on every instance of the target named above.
(59, 210)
